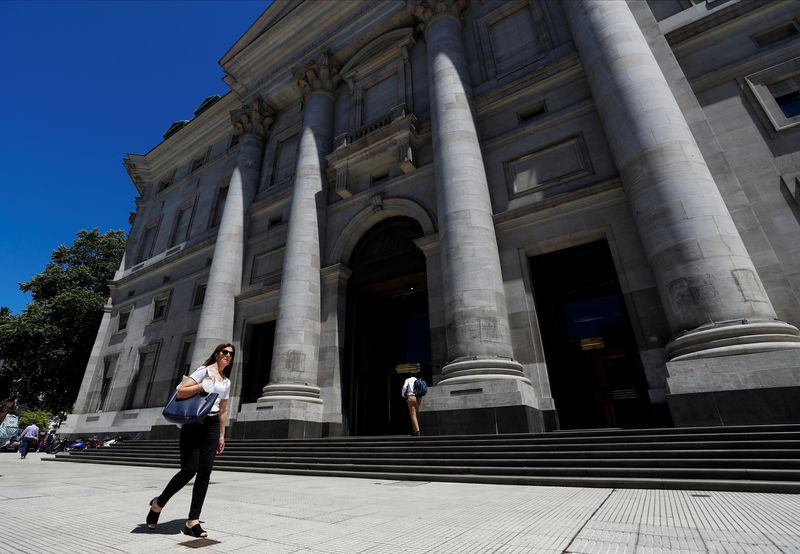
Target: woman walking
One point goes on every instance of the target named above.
(199, 444)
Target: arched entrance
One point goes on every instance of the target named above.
(387, 326)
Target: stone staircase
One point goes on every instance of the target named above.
(762, 458)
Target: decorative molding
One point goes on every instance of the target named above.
(254, 119)
(427, 10)
(319, 74)
(544, 168)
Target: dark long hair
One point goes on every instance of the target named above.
(219, 348)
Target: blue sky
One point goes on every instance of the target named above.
(83, 84)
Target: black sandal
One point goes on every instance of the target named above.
(152, 517)
(195, 531)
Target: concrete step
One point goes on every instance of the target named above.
(780, 486)
(765, 458)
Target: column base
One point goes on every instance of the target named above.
(476, 370)
(489, 407)
(731, 338)
(745, 389)
(273, 418)
(292, 392)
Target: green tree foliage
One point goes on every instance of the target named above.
(40, 417)
(46, 347)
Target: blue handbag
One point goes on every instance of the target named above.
(190, 410)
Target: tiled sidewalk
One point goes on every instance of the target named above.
(98, 508)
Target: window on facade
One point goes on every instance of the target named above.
(776, 91)
(513, 41)
(200, 161)
(199, 295)
(146, 243)
(776, 35)
(123, 320)
(377, 179)
(379, 99)
(529, 114)
(180, 229)
(219, 206)
(160, 305)
(184, 360)
(140, 398)
(109, 365)
(789, 104)
(285, 158)
(164, 183)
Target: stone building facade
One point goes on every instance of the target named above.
(562, 214)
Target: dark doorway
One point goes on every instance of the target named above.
(387, 326)
(595, 375)
(258, 360)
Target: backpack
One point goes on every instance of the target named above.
(420, 388)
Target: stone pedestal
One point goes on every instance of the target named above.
(488, 407)
(743, 389)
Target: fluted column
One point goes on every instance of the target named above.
(295, 359)
(714, 299)
(478, 337)
(225, 276)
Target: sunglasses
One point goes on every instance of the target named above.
(226, 352)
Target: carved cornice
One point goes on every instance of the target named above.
(255, 119)
(427, 10)
(133, 173)
(321, 73)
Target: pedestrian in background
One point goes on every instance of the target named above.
(413, 403)
(30, 434)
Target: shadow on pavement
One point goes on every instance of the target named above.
(172, 527)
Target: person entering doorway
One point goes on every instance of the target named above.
(413, 403)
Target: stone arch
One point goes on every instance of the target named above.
(369, 216)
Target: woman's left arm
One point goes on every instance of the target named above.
(223, 422)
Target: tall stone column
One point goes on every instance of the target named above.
(714, 299)
(481, 388)
(293, 389)
(225, 276)
(478, 337)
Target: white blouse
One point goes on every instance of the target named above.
(222, 388)
(408, 386)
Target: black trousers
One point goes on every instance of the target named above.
(198, 450)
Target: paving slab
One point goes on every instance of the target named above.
(100, 508)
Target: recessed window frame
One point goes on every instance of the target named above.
(166, 182)
(106, 378)
(161, 306)
(283, 172)
(776, 35)
(147, 242)
(221, 196)
(176, 236)
(199, 294)
(761, 85)
(123, 319)
(201, 160)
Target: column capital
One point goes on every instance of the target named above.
(318, 74)
(427, 10)
(253, 119)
